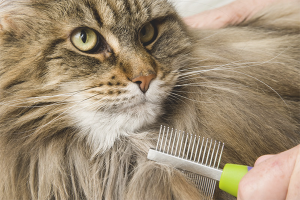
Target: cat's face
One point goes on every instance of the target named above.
(89, 54)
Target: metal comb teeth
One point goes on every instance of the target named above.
(198, 157)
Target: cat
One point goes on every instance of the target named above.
(85, 86)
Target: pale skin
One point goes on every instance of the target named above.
(230, 14)
(275, 177)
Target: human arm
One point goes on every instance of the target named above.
(230, 14)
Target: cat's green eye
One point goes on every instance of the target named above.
(85, 39)
(148, 33)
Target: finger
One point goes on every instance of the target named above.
(269, 179)
(211, 19)
(262, 159)
(294, 185)
(230, 14)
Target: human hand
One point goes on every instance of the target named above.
(230, 14)
(273, 177)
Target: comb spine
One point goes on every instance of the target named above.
(184, 164)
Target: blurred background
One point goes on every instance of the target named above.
(191, 7)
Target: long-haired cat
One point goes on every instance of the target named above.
(85, 84)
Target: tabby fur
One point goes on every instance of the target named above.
(74, 126)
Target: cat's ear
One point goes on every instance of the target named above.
(8, 24)
(2, 26)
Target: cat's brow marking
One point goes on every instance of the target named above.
(97, 16)
(113, 42)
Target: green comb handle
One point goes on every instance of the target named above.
(231, 177)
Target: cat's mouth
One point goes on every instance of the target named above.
(139, 100)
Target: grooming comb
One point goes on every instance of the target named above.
(199, 158)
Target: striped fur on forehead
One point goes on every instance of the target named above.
(108, 12)
(131, 11)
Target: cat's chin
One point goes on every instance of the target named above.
(103, 128)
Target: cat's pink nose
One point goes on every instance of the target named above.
(144, 81)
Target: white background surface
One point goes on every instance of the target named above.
(191, 7)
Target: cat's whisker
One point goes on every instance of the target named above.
(215, 65)
(217, 33)
(198, 66)
(263, 84)
(29, 99)
(181, 96)
(272, 89)
(60, 115)
(237, 64)
(57, 95)
(35, 104)
(192, 62)
(171, 96)
(201, 80)
(41, 100)
(232, 86)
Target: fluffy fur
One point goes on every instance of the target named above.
(74, 126)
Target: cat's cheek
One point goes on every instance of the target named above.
(158, 92)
